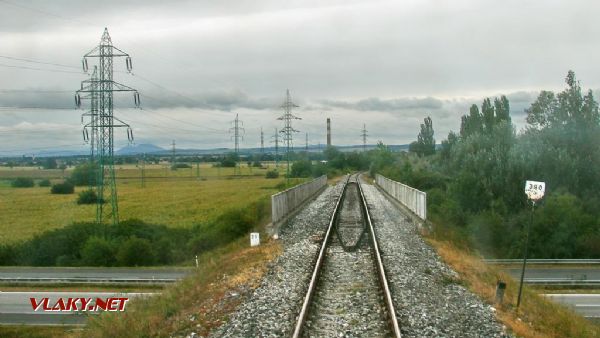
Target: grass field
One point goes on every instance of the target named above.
(179, 199)
(205, 170)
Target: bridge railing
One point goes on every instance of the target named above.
(285, 202)
(415, 200)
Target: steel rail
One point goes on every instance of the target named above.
(312, 286)
(382, 276)
(321, 257)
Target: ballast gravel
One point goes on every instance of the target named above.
(272, 308)
(427, 299)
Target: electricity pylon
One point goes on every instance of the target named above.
(276, 141)
(173, 155)
(237, 131)
(306, 145)
(103, 123)
(92, 138)
(262, 141)
(363, 134)
(287, 129)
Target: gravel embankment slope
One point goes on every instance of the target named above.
(272, 308)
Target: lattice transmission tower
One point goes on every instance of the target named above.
(262, 141)
(306, 143)
(288, 130)
(237, 130)
(363, 134)
(276, 141)
(100, 90)
(90, 130)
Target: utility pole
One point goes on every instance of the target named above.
(364, 135)
(144, 170)
(328, 132)
(262, 141)
(306, 145)
(276, 141)
(237, 136)
(173, 155)
(103, 122)
(287, 129)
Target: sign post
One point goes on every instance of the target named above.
(535, 192)
(254, 239)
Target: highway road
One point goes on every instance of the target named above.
(539, 273)
(16, 307)
(588, 305)
(90, 275)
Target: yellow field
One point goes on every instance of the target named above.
(177, 201)
(206, 170)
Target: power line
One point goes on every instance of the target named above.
(89, 24)
(40, 69)
(38, 62)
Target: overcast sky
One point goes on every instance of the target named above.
(387, 64)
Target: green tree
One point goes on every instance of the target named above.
(97, 251)
(50, 163)
(84, 174)
(425, 144)
(472, 123)
(135, 252)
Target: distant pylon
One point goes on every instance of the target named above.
(276, 141)
(173, 155)
(287, 129)
(364, 135)
(237, 131)
(306, 145)
(101, 89)
(328, 132)
(262, 141)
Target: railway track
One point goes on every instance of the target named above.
(348, 294)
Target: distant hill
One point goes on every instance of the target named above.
(148, 148)
(140, 149)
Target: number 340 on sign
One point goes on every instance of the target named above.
(535, 190)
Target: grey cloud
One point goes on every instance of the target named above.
(386, 105)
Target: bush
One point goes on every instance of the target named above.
(135, 252)
(301, 168)
(63, 188)
(180, 166)
(97, 252)
(22, 182)
(229, 226)
(272, 174)
(44, 183)
(87, 197)
(84, 174)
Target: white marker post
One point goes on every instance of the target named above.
(254, 239)
(535, 192)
